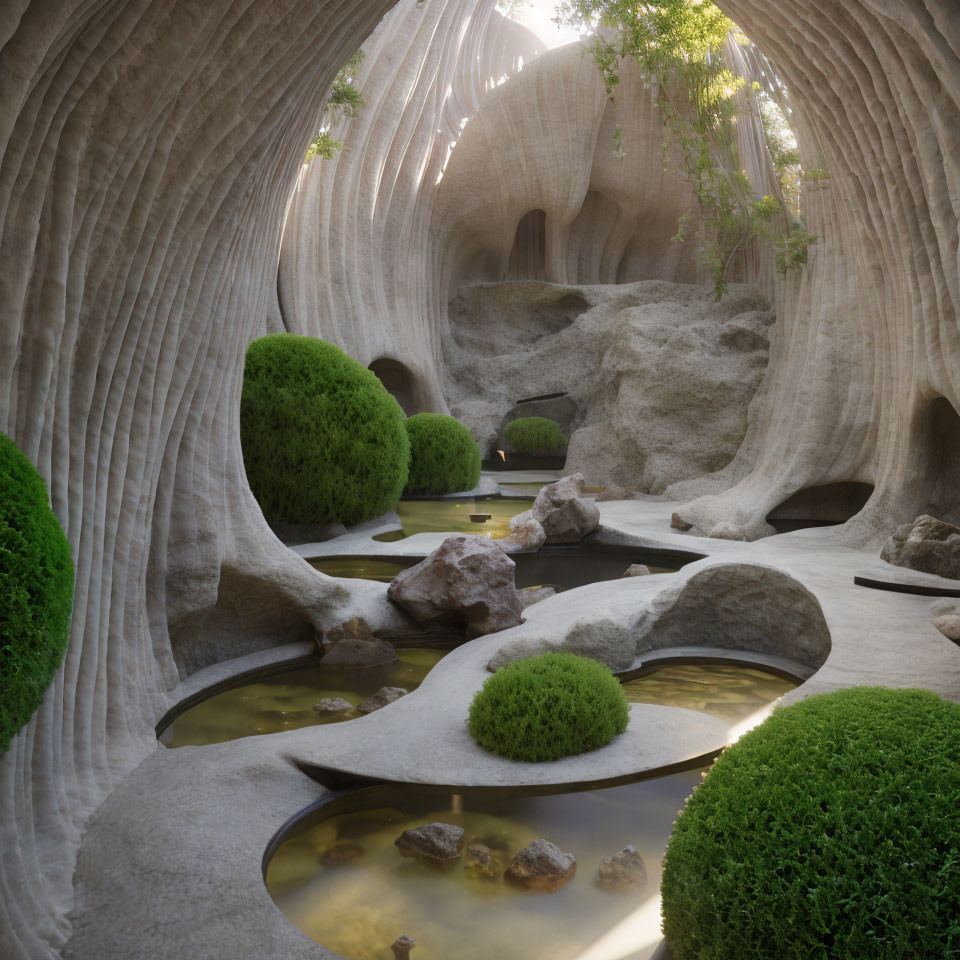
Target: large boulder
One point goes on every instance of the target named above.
(542, 867)
(928, 545)
(434, 841)
(949, 626)
(467, 579)
(564, 513)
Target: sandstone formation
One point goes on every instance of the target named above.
(147, 154)
(563, 512)
(541, 867)
(467, 580)
(927, 544)
(433, 841)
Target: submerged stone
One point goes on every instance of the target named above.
(382, 698)
(623, 871)
(332, 705)
(434, 841)
(353, 644)
(481, 862)
(402, 946)
(637, 570)
(340, 854)
(542, 867)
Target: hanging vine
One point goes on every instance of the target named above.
(679, 47)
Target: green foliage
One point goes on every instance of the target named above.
(536, 436)
(792, 248)
(36, 590)
(322, 439)
(345, 98)
(782, 144)
(829, 831)
(679, 45)
(548, 707)
(444, 457)
(323, 146)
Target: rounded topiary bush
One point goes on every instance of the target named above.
(444, 457)
(536, 436)
(36, 590)
(829, 831)
(322, 439)
(548, 707)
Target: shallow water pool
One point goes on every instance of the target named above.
(284, 700)
(453, 516)
(727, 691)
(339, 877)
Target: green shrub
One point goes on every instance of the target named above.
(444, 457)
(829, 831)
(322, 439)
(536, 436)
(36, 590)
(548, 707)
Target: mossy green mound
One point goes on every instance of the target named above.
(36, 590)
(535, 436)
(322, 439)
(548, 707)
(444, 457)
(830, 831)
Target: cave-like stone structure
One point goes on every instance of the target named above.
(149, 150)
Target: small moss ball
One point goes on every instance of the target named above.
(36, 590)
(535, 436)
(548, 707)
(322, 439)
(444, 457)
(830, 831)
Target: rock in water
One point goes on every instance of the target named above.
(526, 534)
(564, 513)
(383, 697)
(467, 579)
(402, 947)
(434, 841)
(542, 867)
(637, 570)
(332, 705)
(352, 644)
(928, 545)
(481, 862)
(623, 871)
(340, 854)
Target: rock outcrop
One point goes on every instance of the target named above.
(563, 512)
(467, 580)
(928, 545)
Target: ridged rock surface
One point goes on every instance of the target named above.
(148, 150)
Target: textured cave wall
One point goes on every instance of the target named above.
(147, 151)
(355, 264)
(864, 382)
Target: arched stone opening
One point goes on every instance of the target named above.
(529, 254)
(820, 506)
(399, 381)
(940, 438)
